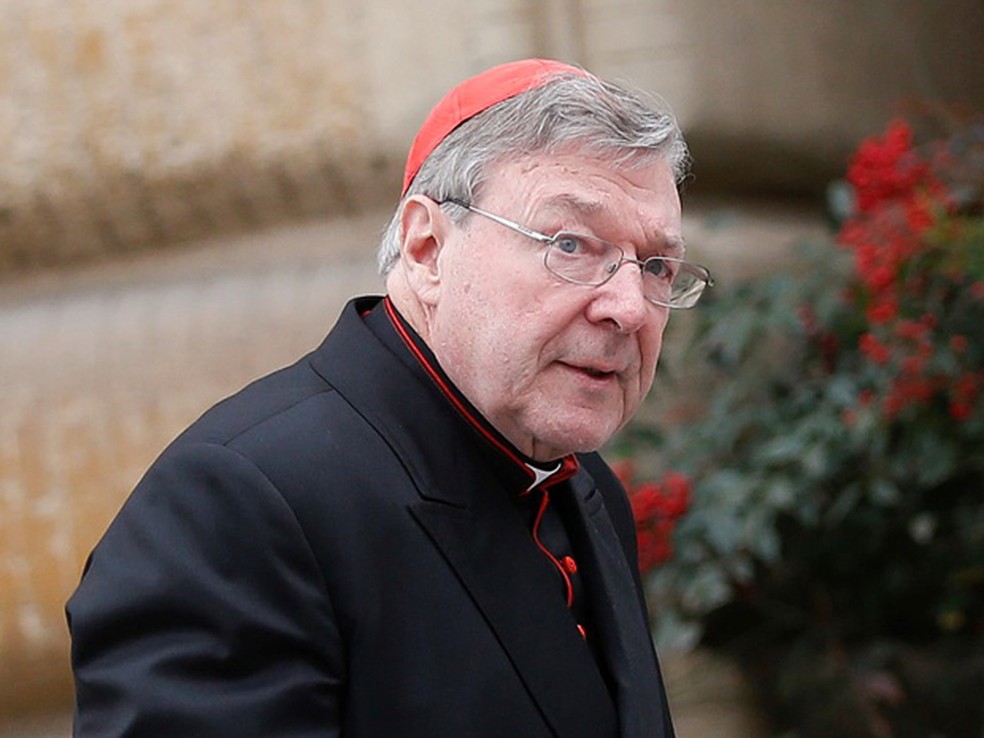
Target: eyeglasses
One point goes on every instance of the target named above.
(587, 260)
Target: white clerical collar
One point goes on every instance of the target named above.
(542, 475)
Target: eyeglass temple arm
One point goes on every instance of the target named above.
(535, 235)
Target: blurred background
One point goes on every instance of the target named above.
(189, 192)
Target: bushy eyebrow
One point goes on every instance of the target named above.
(567, 201)
(666, 245)
(675, 246)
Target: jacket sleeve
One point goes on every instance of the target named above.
(203, 612)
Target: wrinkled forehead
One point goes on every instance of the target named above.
(605, 154)
(571, 207)
(612, 200)
(617, 160)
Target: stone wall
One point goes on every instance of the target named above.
(130, 124)
(149, 121)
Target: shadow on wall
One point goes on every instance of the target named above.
(779, 93)
(121, 212)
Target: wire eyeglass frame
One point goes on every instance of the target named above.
(680, 284)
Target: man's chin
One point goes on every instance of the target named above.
(575, 439)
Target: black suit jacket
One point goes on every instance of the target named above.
(335, 551)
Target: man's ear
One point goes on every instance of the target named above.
(424, 227)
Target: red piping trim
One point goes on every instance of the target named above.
(544, 501)
(442, 385)
(568, 468)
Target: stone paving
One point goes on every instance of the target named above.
(100, 367)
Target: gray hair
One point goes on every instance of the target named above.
(605, 120)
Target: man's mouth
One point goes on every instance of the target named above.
(594, 372)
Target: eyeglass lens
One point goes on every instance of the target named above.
(586, 260)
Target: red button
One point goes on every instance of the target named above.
(569, 564)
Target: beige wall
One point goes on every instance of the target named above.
(138, 121)
(99, 371)
(128, 123)
(782, 90)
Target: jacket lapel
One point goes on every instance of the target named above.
(619, 622)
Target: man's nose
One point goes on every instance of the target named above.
(621, 299)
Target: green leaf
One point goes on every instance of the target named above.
(884, 492)
(781, 450)
(844, 504)
(780, 493)
(708, 589)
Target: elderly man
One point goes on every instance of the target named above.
(408, 532)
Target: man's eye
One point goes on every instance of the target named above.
(659, 269)
(569, 244)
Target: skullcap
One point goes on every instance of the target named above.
(475, 95)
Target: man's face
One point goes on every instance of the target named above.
(555, 367)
